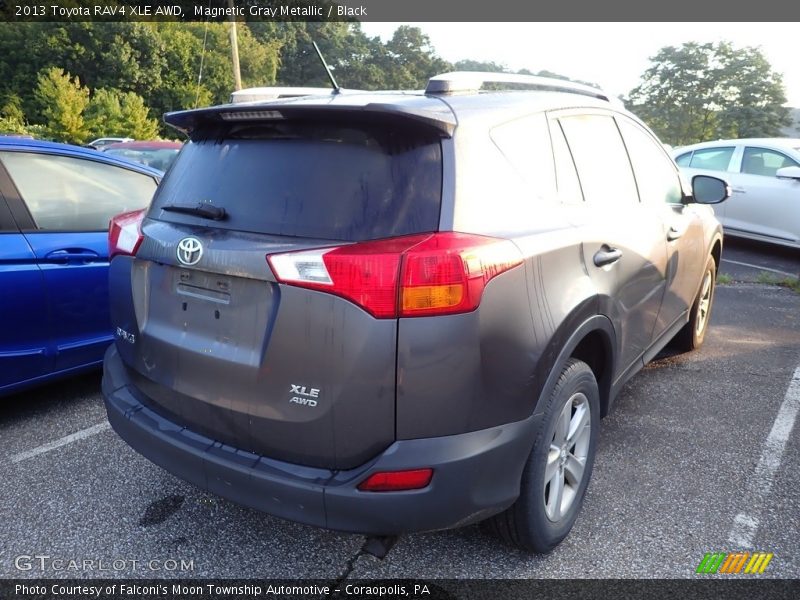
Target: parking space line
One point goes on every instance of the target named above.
(759, 267)
(78, 435)
(745, 525)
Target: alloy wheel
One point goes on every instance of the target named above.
(704, 304)
(566, 459)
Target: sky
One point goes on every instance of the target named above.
(614, 55)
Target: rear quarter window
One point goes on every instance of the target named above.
(310, 180)
(525, 143)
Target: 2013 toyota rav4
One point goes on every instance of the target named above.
(396, 312)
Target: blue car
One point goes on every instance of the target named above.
(55, 205)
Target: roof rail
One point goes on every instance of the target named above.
(472, 81)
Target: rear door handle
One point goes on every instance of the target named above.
(72, 255)
(606, 256)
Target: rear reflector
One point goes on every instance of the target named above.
(397, 481)
(410, 276)
(125, 233)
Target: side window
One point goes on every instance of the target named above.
(656, 177)
(713, 159)
(71, 194)
(525, 143)
(569, 187)
(603, 166)
(760, 161)
(684, 159)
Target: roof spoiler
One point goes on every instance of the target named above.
(442, 119)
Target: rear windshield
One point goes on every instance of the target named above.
(309, 180)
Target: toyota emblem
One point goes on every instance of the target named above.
(190, 250)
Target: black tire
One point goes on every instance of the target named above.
(526, 523)
(692, 336)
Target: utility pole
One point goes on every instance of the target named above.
(237, 74)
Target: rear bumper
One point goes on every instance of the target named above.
(476, 474)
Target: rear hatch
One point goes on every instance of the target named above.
(229, 325)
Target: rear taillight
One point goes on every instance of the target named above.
(447, 273)
(125, 233)
(411, 276)
(397, 481)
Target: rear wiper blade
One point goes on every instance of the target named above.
(201, 209)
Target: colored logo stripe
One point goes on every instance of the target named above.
(759, 562)
(734, 562)
(720, 562)
(711, 562)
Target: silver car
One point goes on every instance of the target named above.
(765, 177)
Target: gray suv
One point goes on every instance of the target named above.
(395, 312)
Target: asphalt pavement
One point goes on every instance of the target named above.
(745, 260)
(689, 449)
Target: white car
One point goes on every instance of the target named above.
(105, 141)
(764, 175)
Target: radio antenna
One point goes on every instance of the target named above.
(336, 88)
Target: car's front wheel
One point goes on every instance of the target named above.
(559, 467)
(693, 333)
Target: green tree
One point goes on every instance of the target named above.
(412, 58)
(493, 67)
(353, 58)
(478, 65)
(191, 46)
(697, 92)
(754, 96)
(12, 118)
(136, 117)
(356, 60)
(63, 100)
(104, 114)
(123, 114)
(160, 62)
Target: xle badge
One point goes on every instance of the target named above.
(303, 395)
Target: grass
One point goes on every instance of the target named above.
(793, 283)
(724, 278)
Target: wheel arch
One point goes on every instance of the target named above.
(593, 342)
(716, 250)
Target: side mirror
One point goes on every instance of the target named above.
(709, 190)
(788, 173)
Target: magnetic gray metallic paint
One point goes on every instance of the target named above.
(476, 474)
(485, 373)
(487, 355)
(225, 368)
